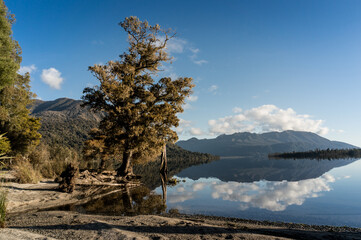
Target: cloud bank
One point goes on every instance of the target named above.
(265, 118)
(52, 77)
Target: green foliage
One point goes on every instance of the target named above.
(3, 199)
(4, 145)
(15, 94)
(21, 129)
(140, 112)
(9, 49)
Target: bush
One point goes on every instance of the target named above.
(3, 198)
(25, 172)
(51, 161)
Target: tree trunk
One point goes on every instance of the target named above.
(163, 159)
(101, 166)
(127, 200)
(164, 179)
(126, 169)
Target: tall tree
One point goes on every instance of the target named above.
(15, 95)
(140, 112)
(9, 48)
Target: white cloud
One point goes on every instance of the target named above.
(183, 127)
(52, 77)
(192, 98)
(213, 88)
(264, 119)
(174, 45)
(194, 57)
(196, 131)
(24, 69)
(200, 62)
(194, 50)
(237, 110)
(189, 99)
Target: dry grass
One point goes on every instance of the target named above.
(25, 172)
(3, 198)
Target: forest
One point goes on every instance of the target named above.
(320, 154)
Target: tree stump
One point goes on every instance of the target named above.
(67, 182)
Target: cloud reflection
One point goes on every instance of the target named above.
(273, 196)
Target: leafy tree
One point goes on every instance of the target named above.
(9, 48)
(15, 95)
(140, 112)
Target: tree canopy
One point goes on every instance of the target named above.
(15, 95)
(140, 112)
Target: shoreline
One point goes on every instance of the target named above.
(75, 225)
(29, 217)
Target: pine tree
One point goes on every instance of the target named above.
(15, 95)
(140, 112)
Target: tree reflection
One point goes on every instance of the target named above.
(130, 201)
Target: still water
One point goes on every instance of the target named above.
(326, 192)
(303, 191)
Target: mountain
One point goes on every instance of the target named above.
(64, 121)
(240, 144)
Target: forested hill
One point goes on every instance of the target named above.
(64, 121)
(239, 144)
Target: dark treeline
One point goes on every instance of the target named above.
(178, 159)
(320, 154)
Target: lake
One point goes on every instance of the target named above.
(325, 192)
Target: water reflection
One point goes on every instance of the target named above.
(249, 169)
(129, 200)
(265, 193)
(273, 196)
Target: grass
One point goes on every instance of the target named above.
(25, 172)
(3, 198)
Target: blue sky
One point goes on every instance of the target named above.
(258, 65)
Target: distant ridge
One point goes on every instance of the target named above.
(245, 143)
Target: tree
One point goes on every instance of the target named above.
(140, 112)
(9, 48)
(15, 95)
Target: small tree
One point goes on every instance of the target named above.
(140, 112)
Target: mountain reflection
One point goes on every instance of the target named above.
(249, 169)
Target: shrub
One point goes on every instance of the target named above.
(3, 198)
(25, 172)
(51, 161)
